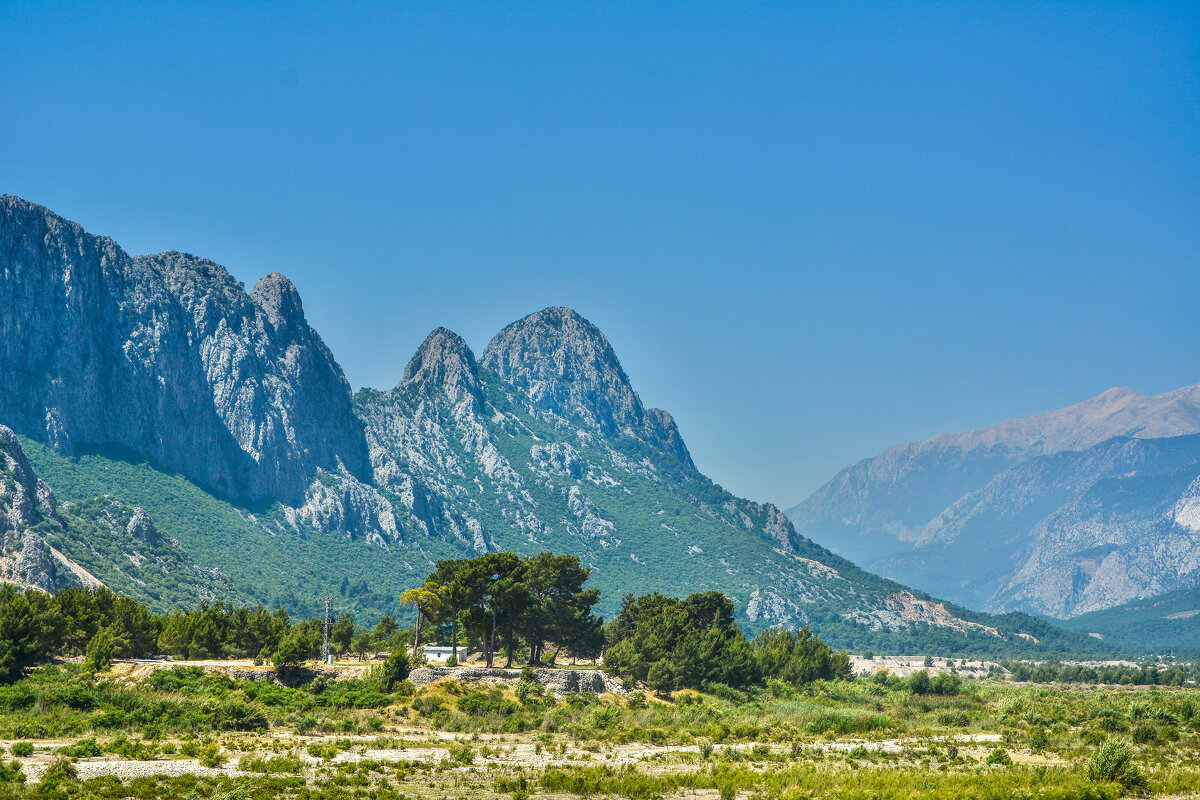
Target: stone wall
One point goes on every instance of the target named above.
(557, 681)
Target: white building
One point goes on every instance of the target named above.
(439, 654)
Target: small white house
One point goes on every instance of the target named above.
(439, 654)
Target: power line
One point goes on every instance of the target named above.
(326, 656)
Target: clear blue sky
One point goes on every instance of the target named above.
(810, 230)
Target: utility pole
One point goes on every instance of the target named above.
(327, 657)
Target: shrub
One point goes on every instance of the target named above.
(61, 769)
(11, 772)
(529, 691)
(946, 684)
(462, 754)
(323, 750)
(1113, 763)
(1144, 734)
(478, 704)
(919, 683)
(22, 749)
(211, 756)
(1000, 757)
(393, 671)
(275, 765)
(452, 661)
(84, 748)
(1039, 739)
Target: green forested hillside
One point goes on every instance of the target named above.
(259, 556)
(1168, 623)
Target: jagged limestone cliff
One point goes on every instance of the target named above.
(166, 356)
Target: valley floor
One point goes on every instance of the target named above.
(188, 732)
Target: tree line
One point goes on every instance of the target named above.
(535, 607)
(1123, 674)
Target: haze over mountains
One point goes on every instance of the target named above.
(1061, 514)
(179, 437)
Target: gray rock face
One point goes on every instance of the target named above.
(24, 501)
(34, 565)
(141, 527)
(563, 364)
(169, 357)
(443, 363)
(23, 498)
(1059, 514)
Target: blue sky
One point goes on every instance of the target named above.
(810, 230)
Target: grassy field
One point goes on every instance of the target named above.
(188, 733)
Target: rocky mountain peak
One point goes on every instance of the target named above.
(168, 356)
(279, 300)
(445, 362)
(563, 364)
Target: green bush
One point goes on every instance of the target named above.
(11, 772)
(919, 683)
(211, 756)
(1000, 757)
(479, 704)
(276, 765)
(529, 691)
(22, 749)
(60, 769)
(1113, 763)
(84, 748)
(462, 754)
(1039, 739)
(393, 671)
(1144, 734)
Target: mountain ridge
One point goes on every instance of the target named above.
(224, 412)
(1042, 497)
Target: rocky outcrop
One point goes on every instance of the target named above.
(443, 363)
(562, 364)
(141, 527)
(166, 356)
(26, 501)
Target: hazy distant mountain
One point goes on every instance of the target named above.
(1061, 513)
(159, 383)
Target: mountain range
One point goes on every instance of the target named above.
(1060, 514)
(177, 438)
